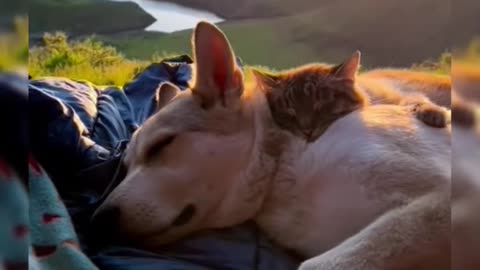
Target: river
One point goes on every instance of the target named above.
(173, 17)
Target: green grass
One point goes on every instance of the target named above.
(88, 59)
(102, 64)
(84, 17)
(82, 60)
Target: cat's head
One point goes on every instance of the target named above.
(307, 99)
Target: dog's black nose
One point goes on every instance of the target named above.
(105, 222)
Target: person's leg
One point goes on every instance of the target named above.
(14, 122)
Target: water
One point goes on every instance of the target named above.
(172, 17)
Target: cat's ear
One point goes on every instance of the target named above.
(165, 93)
(264, 79)
(217, 78)
(349, 68)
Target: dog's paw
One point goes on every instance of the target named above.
(432, 115)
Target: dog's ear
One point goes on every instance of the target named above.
(217, 77)
(165, 93)
(349, 68)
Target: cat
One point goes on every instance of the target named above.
(308, 99)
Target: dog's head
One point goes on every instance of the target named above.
(188, 163)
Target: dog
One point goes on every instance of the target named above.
(372, 193)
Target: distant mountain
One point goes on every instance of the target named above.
(82, 17)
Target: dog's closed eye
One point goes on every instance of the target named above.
(158, 146)
(185, 216)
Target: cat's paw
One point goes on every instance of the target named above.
(432, 115)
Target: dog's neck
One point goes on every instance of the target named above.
(252, 184)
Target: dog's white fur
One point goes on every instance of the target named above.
(371, 193)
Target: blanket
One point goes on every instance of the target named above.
(36, 231)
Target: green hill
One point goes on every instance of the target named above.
(280, 33)
(85, 17)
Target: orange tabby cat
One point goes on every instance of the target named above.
(308, 99)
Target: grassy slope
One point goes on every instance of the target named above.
(388, 32)
(78, 17)
(256, 43)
